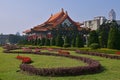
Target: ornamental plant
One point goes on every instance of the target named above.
(24, 59)
(118, 53)
(94, 46)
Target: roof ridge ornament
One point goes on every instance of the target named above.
(66, 12)
(51, 14)
(62, 10)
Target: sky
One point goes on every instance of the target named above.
(19, 15)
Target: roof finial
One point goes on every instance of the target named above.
(66, 12)
(51, 14)
(62, 10)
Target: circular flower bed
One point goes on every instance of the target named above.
(92, 67)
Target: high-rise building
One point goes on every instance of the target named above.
(112, 15)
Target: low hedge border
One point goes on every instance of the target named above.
(98, 54)
(92, 67)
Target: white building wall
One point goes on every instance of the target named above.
(95, 23)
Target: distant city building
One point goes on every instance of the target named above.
(95, 23)
(112, 15)
(59, 23)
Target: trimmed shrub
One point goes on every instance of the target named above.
(79, 41)
(47, 42)
(66, 45)
(94, 46)
(114, 38)
(63, 52)
(10, 47)
(37, 50)
(66, 42)
(98, 54)
(59, 40)
(52, 42)
(27, 49)
(93, 38)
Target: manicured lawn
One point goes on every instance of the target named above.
(9, 65)
(42, 61)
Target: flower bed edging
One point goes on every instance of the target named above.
(92, 67)
(98, 54)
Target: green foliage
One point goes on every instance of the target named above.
(94, 46)
(47, 42)
(38, 41)
(13, 39)
(59, 40)
(66, 45)
(9, 66)
(103, 38)
(104, 32)
(66, 42)
(42, 42)
(23, 41)
(35, 42)
(114, 38)
(73, 42)
(52, 41)
(93, 38)
(79, 41)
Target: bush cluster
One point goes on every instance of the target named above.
(98, 54)
(63, 52)
(10, 47)
(26, 49)
(94, 46)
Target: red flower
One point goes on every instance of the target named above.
(118, 53)
(24, 59)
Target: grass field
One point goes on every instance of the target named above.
(9, 65)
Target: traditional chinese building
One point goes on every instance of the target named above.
(59, 23)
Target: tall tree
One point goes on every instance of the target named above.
(79, 41)
(47, 42)
(52, 41)
(42, 42)
(66, 42)
(59, 40)
(73, 42)
(103, 38)
(38, 41)
(93, 38)
(104, 32)
(114, 38)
